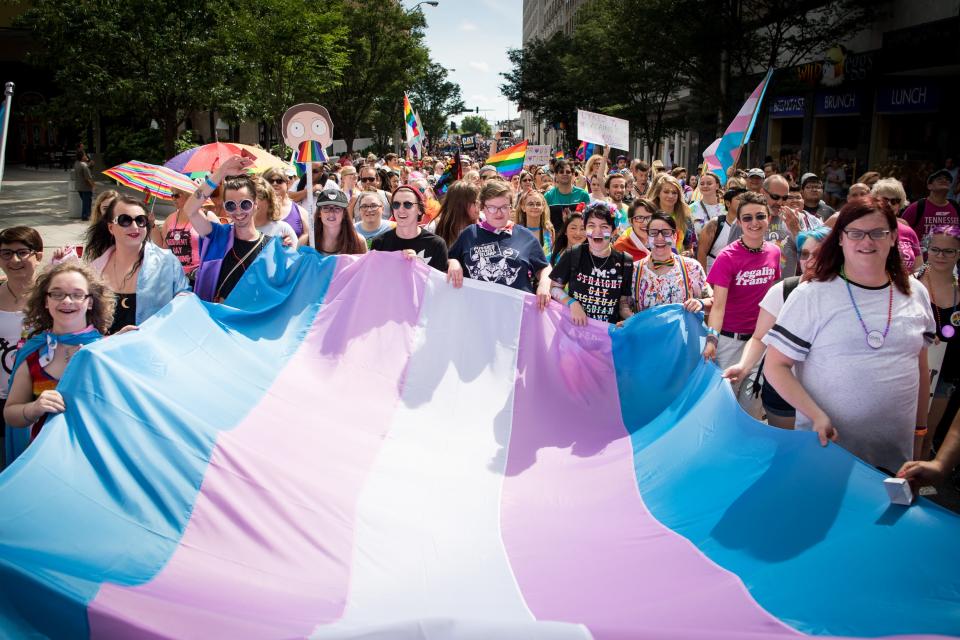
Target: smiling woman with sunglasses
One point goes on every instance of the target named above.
(290, 212)
(409, 237)
(741, 275)
(143, 276)
(849, 348)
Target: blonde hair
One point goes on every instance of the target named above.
(95, 211)
(680, 211)
(591, 167)
(887, 187)
(521, 216)
(264, 191)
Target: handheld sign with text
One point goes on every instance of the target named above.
(600, 129)
(537, 154)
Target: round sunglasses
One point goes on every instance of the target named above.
(125, 220)
(231, 206)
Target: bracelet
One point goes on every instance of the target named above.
(920, 431)
(702, 306)
(210, 183)
(712, 332)
(571, 301)
(712, 339)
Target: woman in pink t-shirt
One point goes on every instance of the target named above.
(740, 277)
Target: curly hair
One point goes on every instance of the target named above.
(36, 317)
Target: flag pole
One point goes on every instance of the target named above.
(745, 141)
(8, 92)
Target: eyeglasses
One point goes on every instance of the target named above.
(369, 179)
(642, 219)
(806, 255)
(775, 197)
(860, 234)
(406, 205)
(277, 181)
(891, 200)
(125, 220)
(653, 233)
(491, 209)
(370, 206)
(23, 254)
(937, 251)
(231, 206)
(60, 296)
(760, 217)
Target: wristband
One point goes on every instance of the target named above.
(712, 332)
(210, 183)
(571, 301)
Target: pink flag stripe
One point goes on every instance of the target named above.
(267, 551)
(569, 468)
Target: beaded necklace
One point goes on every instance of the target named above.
(750, 249)
(875, 338)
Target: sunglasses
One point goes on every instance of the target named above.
(231, 206)
(368, 179)
(406, 205)
(806, 255)
(760, 217)
(277, 181)
(23, 254)
(125, 220)
(891, 200)
(775, 197)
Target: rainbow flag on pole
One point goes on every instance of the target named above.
(415, 132)
(724, 152)
(509, 161)
(558, 155)
(268, 506)
(585, 150)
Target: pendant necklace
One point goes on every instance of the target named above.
(946, 330)
(875, 338)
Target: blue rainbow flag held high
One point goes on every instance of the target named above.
(585, 150)
(724, 152)
(323, 457)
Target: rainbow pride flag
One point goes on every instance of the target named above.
(559, 155)
(323, 457)
(509, 162)
(585, 150)
(724, 152)
(410, 119)
(310, 151)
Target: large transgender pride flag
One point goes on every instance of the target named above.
(365, 452)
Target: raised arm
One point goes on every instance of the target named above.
(232, 166)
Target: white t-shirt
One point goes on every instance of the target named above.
(869, 394)
(724, 238)
(279, 229)
(700, 211)
(11, 330)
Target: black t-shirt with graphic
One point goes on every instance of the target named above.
(429, 247)
(596, 283)
(236, 263)
(511, 258)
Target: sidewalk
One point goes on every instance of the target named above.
(38, 198)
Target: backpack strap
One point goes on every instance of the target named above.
(918, 221)
(721, 220)
(789, 284)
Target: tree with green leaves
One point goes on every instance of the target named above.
(435, 99)
(475, 124)
(384, 52)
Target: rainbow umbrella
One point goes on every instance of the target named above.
(151, 179)
(202, 160)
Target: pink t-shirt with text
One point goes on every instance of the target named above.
(909, 245)
(747, 277)
(934, 215)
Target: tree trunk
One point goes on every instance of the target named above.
(722, 102)
(169, 135)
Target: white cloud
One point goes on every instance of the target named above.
(482, 67)
(468, 26)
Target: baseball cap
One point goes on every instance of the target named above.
(335, 197)
(488, 167)
(807, 177)
(756, 173)
(939, 173)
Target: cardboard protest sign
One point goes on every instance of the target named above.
(601, 129)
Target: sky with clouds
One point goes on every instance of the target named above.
(472, 36)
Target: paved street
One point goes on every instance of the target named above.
(39, 198)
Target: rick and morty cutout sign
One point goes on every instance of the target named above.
(308, 130)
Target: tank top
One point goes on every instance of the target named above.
(294, 220)
(723, 239)
(125, 312)
(184, 243)
(42, 381)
